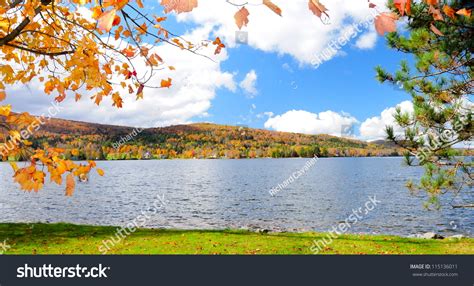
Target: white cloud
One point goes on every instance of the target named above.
(374, 128)
(195, 83)
(298, 33)
(249, 83)
(367, 40)
(300, 121)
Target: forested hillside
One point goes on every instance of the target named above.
(106, 142)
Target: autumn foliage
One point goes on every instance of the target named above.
(83, 47)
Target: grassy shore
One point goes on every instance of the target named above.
(77, 239)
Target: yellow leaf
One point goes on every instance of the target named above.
(5, 110)
(14, 166)
(100, 172)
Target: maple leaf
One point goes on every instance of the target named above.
(166, 83)
(403, 6)
(272, 6)
(106, 20)
(317, 8)
(386, 22)
(5, 110)
(449, 11)
(464, 12)
(179, 6)
(219, 45)
(242, 17)
(3, 95)
(70, 185)
(436, 13)
(431, 2)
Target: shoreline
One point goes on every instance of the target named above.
(61, 238)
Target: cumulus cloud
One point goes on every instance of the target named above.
(298, 33)
(374, 128)
(249, 83)
(195, 83)
(301, 121)
(367, 40)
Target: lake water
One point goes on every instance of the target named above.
(217, 194)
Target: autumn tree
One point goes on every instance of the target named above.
(84, 47)
(440, 37)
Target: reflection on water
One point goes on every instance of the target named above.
(220, 194)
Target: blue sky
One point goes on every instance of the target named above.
(346, 83)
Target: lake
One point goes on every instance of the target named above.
(218, 194)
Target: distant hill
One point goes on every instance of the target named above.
(201, 140)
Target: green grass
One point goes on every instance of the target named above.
(77, 239)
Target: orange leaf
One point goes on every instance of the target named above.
(436, 13)
(166, 83)
(431, 2)
(436, 31)
(464, 12)
(241, 17)
(403, 6)
(3, 95)
(385, 22)
(179, 6)
(106, 20)
(219, 45)
(449, 11)
(140, 3)
(70, 185)
(272, 6)
(317, 8)
(5, 110)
